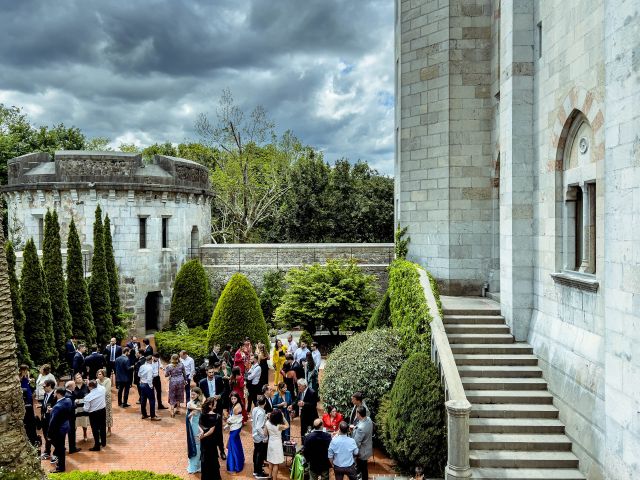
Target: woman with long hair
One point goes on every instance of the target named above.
(290, 376)
(194, 409)
(79, 392)
(331, 419)
(311, 372)
(274, 427)
(235, 454)
(263, 359)
(102, 379)
(27, 395)
(236, 385)
(278, 359)
(209, 421)
(283, 401)
(177, 380)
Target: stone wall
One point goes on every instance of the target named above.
(221, 261)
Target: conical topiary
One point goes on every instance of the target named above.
(52, 265)
(191, 300)
(237, 315)
(77, 291)
(112, 272)
(16, 307)
(99, 285)
(34, 295)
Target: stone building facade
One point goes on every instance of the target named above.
(518, 171)
(160, 214)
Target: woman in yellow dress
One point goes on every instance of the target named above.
(279, 352)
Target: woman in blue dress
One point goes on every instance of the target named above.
(235, 454)
(282, 401)
(194, 410)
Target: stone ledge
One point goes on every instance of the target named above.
(576, 280)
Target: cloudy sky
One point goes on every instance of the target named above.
(141, 71)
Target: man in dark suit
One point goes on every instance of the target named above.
(316, 446)
(70, 347)
(111, 353)
(94, 362)
(48, 401)
(123, 369)
(78, 361)
(140, 360)
(308, 405)
(267, 391)
(213, 386)
(59, 427)
(214, 356)
(134, 346)
(71, 396)
(148, 349)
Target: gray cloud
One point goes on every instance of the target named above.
(142, 71)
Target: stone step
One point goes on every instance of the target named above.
(513, 410)
(500, 371)
(473, 319)
(499, 338)
(477, 329)
(496, 359)
(503, 383)
(471, 312)
(491, 349)
(521, 442)
(518, 459)
(509, 396)
(515, 425)
(527, 474)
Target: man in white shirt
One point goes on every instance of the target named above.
(190, 369)
(95, 405)
(253, 378)
(146, 389)
(157, 385)
(301, 353)
(293, 346)
(260, 439)
(317, 356)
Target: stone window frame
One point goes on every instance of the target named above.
(143, 220)
(164, 233)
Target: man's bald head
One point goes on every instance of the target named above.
(317, 424)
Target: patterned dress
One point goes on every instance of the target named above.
(177, 378)
(106, 383)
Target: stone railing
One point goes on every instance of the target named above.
(458, 407)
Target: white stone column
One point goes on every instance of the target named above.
(457, 439)
(586, 229)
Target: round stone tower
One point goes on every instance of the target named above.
(160, 214)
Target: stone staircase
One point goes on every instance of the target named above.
(514, 431)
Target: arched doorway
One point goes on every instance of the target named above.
(152, 306)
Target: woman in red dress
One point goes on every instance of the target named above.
(236, 384)
(332, 419)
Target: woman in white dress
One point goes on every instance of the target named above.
(275, 454)
(45, 374)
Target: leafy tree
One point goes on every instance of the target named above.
(337, 295)
(191, 300)
(412, 418)
(16, 307)
(165, 148)
(237, 315)
(100, 144)
(273, 289)
(129, 148)
(112, 272)
(381, 317)
(99, 284)
(306, 338)
(77, 291)
(401, 243)
(204, 155)
(52, 264)
(37, 309)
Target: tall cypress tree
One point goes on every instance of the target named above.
(112, 271)
(52, 264)
(99, 285)
(16, 307)
(77, 291)
(37, 309)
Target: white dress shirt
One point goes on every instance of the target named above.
(146, 374)
(301, 354)
(112, 353)
(95, 399)
(189, 366)
(155, 367)
(293, 346)
(254, 374)
(317, 358)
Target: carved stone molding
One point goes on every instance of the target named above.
(587, 283)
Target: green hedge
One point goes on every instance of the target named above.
(410, 315)
(367, 362)
(115, 475)
(191, 301)
(193, 340)
(381, 317)
(412, 418)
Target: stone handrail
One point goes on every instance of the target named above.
(458, 407)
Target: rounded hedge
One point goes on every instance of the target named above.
(237, 315)
(367, 362)
(412, 418)
(194, 341)
(191, 300)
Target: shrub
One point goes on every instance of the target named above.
(367, 362)
(338, 295)
(273, 288)
(306, 338)
(19, 320)
(115, 475)
(191, 300)
(193, 340)
(112, 272)
(412, 419)
(381, 317)
(401, 243)
(237, 315)
(99, 285)
(408, 306)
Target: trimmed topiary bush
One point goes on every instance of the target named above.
(367, 362)
(412, 420)
(408, 306)
(193, 340)
(112, 272)
(381, 317)
(191, 300)
(237, 315)
(99, 285)
(116, 475)
(19, 320)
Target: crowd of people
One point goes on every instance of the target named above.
(228, 390)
